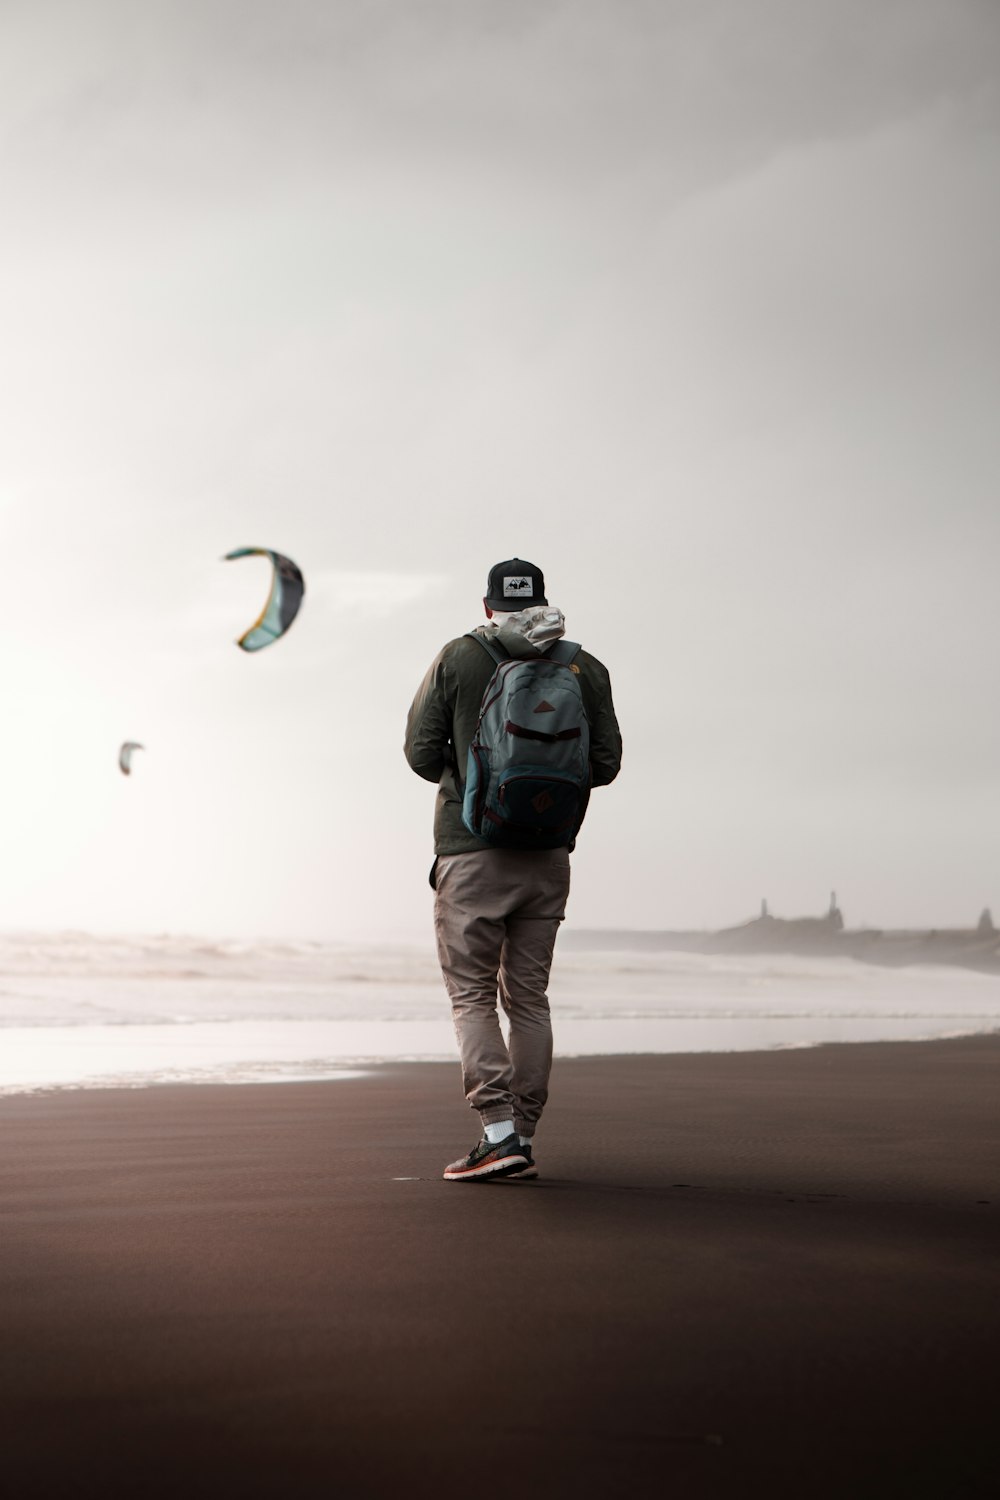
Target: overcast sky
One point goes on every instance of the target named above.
(694, 304)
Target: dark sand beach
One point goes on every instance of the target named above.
(739, 1274)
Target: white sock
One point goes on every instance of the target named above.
(525, 1140)
(498, 1130)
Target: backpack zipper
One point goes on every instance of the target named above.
(504, 667)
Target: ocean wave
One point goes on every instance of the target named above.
(75, 1007)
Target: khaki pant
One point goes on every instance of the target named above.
(496, 915)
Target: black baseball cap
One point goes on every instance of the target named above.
(514, 585)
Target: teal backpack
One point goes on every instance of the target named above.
(528, 772)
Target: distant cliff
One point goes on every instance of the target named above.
(826, 936)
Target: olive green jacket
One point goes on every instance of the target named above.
(443, 719)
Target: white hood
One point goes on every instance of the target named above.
(538, 626)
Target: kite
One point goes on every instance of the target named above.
(287, 588)
(125, 756)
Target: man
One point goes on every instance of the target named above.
(497, 909)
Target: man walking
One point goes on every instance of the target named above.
(505, 821)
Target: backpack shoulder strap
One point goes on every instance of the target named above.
(492, 648)
(564, 651)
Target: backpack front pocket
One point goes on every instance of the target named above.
(538, 801)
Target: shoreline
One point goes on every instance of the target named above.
(349, 1068)
(737, 1271)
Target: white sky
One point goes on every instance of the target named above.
(693, 304)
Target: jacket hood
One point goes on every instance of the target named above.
(526, 632)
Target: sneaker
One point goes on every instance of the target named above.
(529, 1169)
(488, 1159)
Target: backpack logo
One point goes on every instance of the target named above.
(543, 802)
(512, 587)
(544, 708)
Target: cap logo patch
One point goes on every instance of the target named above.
(513, 587)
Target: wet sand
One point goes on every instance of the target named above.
(773, 1273)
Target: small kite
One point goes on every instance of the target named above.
(287, 588)
(125, 756)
